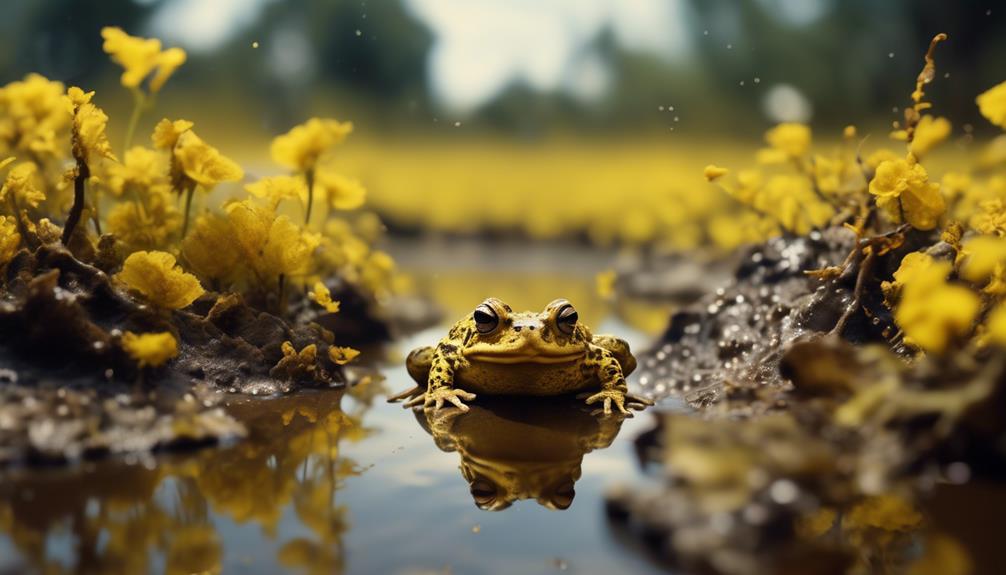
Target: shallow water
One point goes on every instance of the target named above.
(334, 481)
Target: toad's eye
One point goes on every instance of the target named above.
(485, 318)
(566, 319)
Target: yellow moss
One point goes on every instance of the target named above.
(156, 276)
(150, 349)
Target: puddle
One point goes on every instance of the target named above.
(339, 481)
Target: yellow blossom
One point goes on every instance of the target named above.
(211, 249)
(139, 57)
(903, 191)
(33, 115)
(932, 312)
(278, 188)
(929, 133)
(323, 297)
(167, 132)
(156, 276)
(343, 193)
(150, 349)
(300, 148)
(791, 138)
(342, 355)
(791, 201)
(150, 224)
(203, 163)
(272, 245)
(141, 169)
(981, 257)
(713, 172)
(10, 239)
(992, 104)
(996, 325)
(20, 188)
(89, 123)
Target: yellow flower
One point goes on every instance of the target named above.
(323, 297)
(141, 170)
(980, 256)
(342, 355)
(954, 184)
(996, 325)
(139, 57)
(157, 277)
(992, 104)
(89, 123)
(343, 193)
(20, 187)
(150, 349)
(932, 312)
(147, 225)
(713, 172)
(33, 115)
(300, 148)
(271, 245)
(880, 156)
(790, 138)
(790, 199)
(929, 133)
(211, 249)
(902, 188)
(992, 218)
(10, 239)
(278, 188)
(167, 132)
(203, 163)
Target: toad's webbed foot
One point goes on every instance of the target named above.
(622, 400)
(436, 397)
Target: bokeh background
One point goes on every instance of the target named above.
(550, 119)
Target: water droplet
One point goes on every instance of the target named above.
(672, 128)
(661, 108)
(476, 528)
(947, 75)
(676, 118)
(988, 12)
(670, 108)
(742, 82)
(730, 46)
(359, 32)
(457, 124)
(255, 44)
(757, 80)
(894, 109)
(890, 54)
(705, 32)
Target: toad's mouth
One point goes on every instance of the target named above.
(529, 356)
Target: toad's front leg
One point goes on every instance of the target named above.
(440, 383)
(614, 390)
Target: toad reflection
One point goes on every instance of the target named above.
(514, 448)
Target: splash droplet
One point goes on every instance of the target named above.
(359, 32)
(757, 80)
(255, 44)
(457, 124)
(730, 46)
(890, 54)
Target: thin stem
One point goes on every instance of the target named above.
(139, 102)
(188, 206)
(83, 172)
(309, 177)
(95, 216)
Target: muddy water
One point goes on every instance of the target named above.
(344, 482)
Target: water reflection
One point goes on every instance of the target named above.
(520, 448)
(133, 516)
